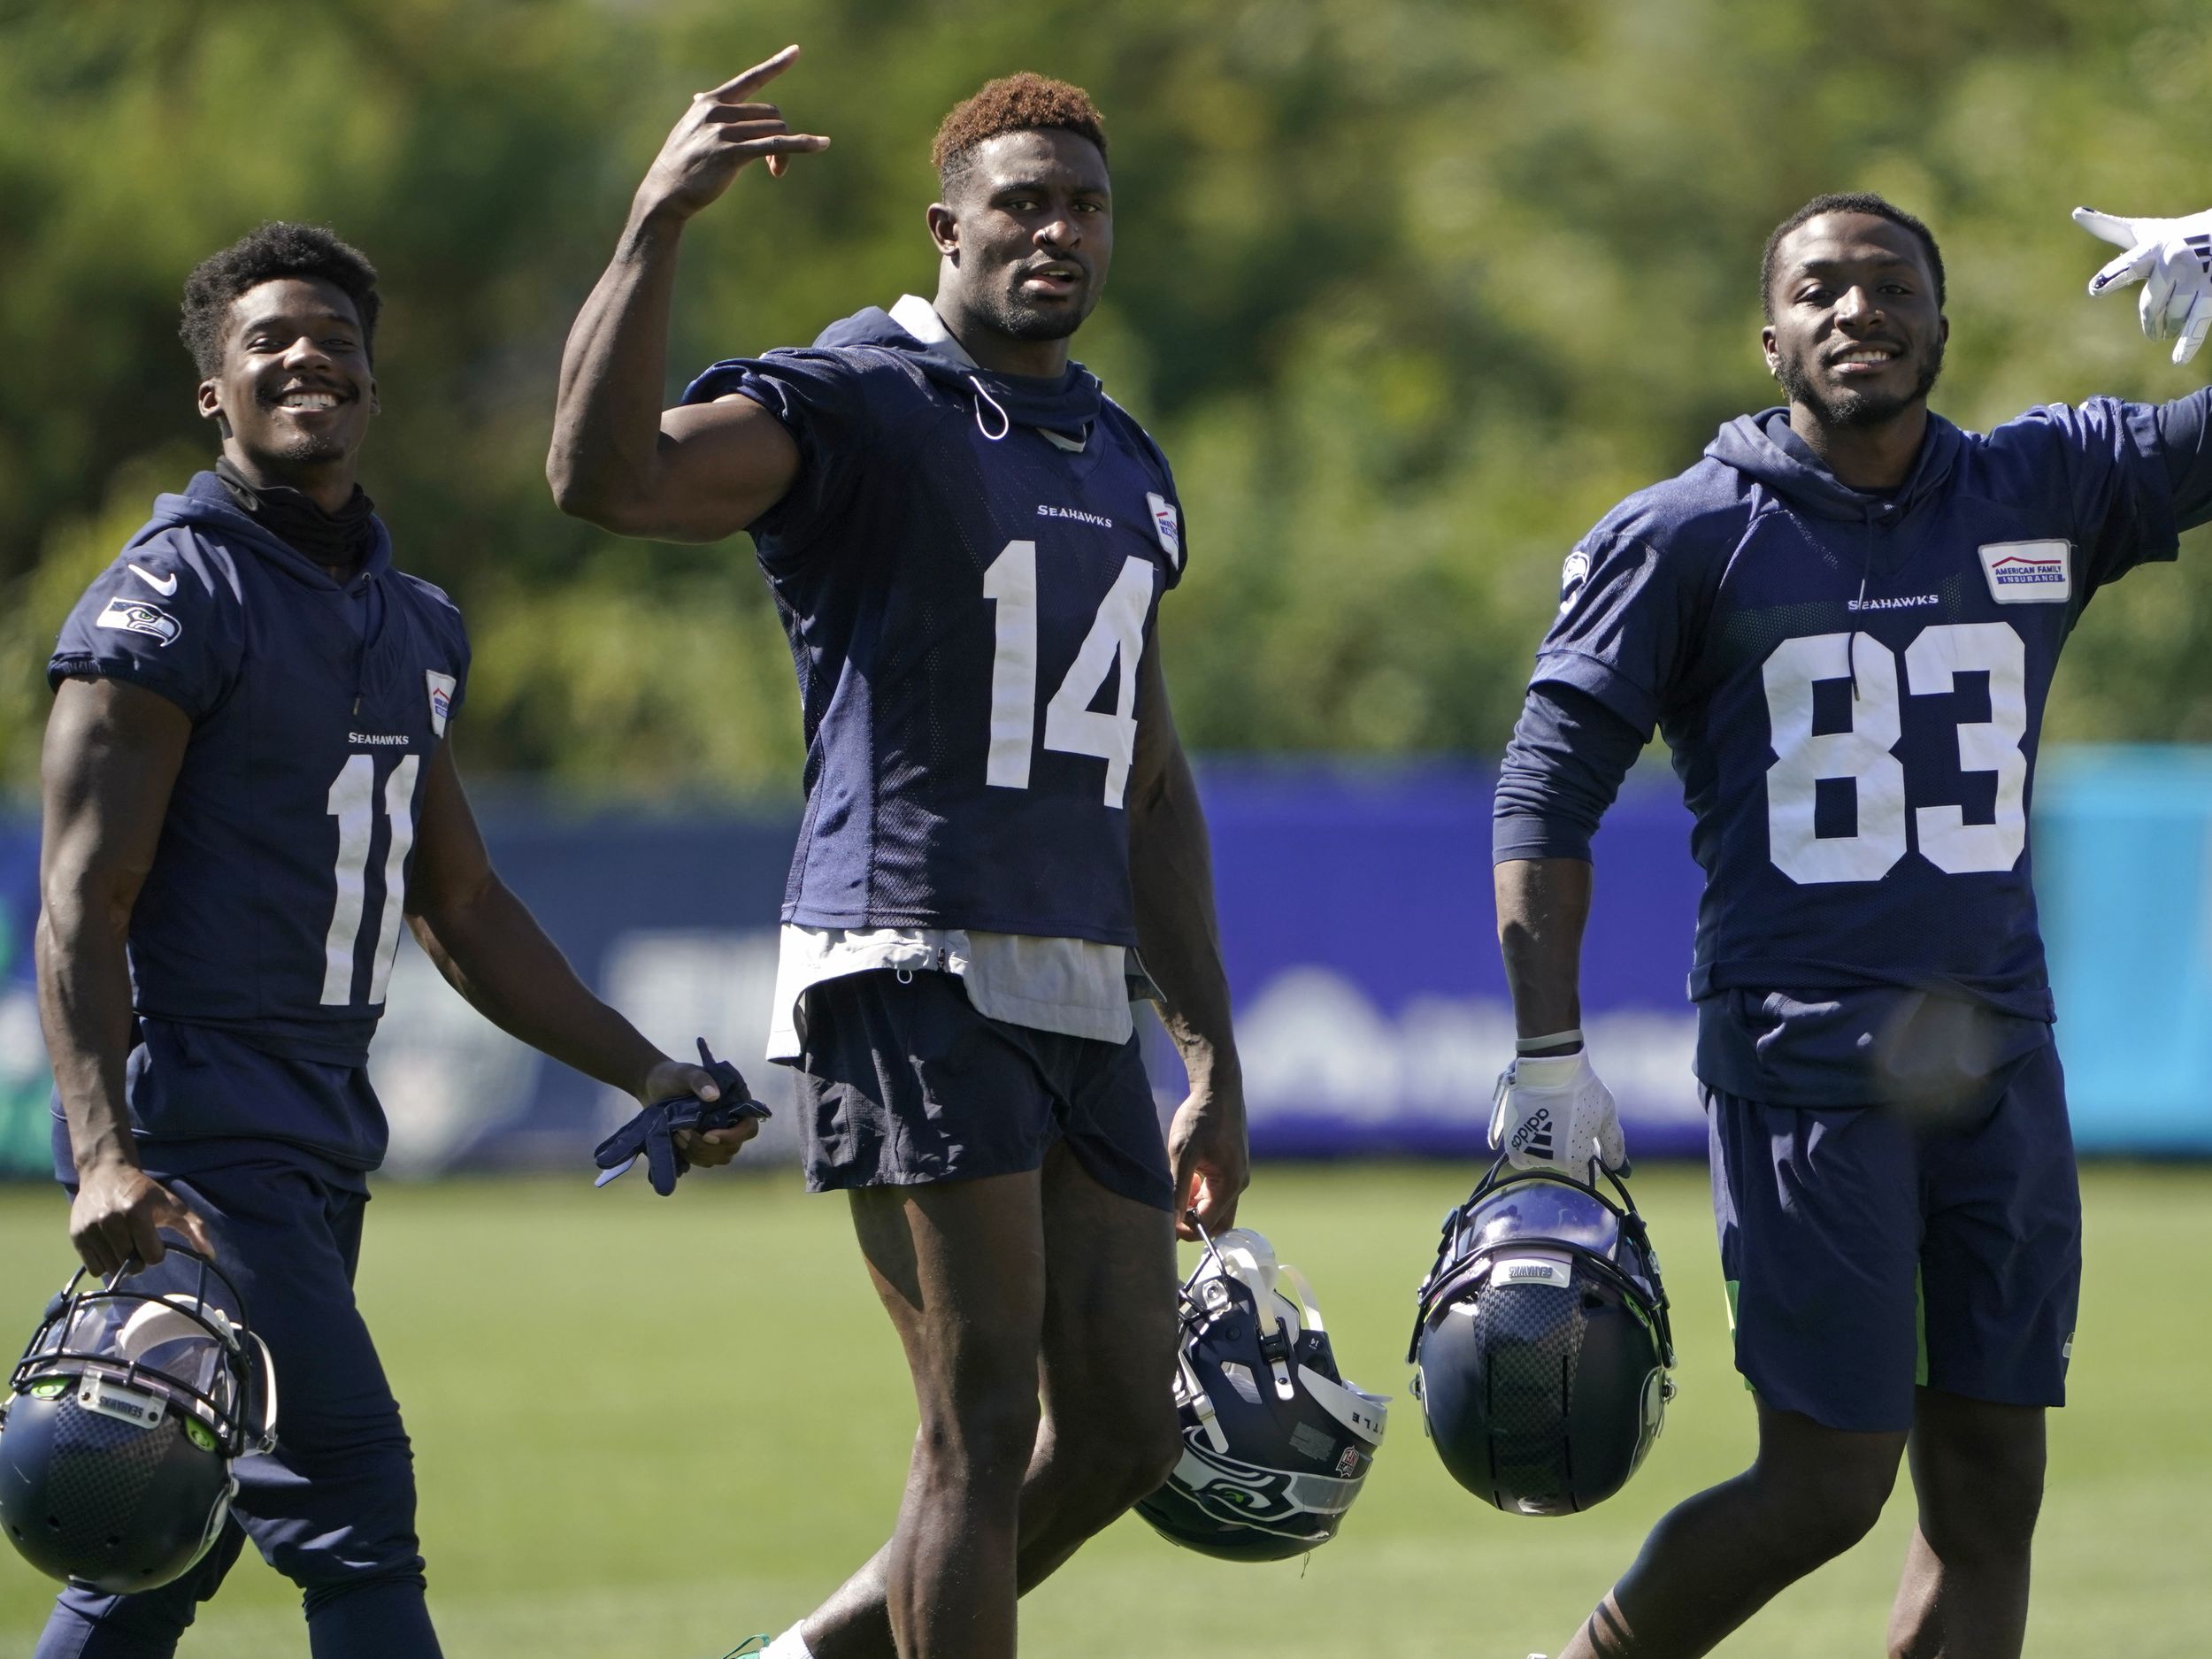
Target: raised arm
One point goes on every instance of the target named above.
(618, 460)
(112, 755)
(491, 950)
(1172, 871)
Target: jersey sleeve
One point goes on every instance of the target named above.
(1561, 771)
(2180, 434)
(165, 616)
(1627, 617)
(822, 399)
(2112, 464)
(452, 637)
(1162, 501)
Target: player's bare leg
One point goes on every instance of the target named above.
(1718, 1558)
(960, 1266)
(1108, 1354)
(1978, 1470)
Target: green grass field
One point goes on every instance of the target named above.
(647, 1429)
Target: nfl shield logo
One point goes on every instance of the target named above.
(441, 699)
(1165, 522)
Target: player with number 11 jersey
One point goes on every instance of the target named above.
(248, 785)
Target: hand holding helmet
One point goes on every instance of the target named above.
(1276, 1444)
(1541, 1345)
(122, 1420)
(1552, 1112)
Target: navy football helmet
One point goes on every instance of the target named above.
(122, 1421)
(1541, 1349)
(1276, 1444)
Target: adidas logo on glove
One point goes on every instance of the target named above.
(1534, 1135)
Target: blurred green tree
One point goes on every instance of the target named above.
(1411, 290)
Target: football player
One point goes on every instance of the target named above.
(1844, 619)
(967, 542)
(248, 786)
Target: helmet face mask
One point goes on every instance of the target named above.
(121, 1423)
(1542, 1347)
(1276, 1444)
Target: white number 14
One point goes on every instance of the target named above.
(1072, 725)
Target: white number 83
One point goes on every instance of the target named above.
(1863, 755)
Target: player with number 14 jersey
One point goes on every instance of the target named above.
(967, 542)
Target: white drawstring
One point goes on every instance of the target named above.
(1005, 424)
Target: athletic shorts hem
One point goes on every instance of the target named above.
(1152, 1194)
(905, 1083)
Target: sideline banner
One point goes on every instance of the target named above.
(1356, 911)
(1371, 1008)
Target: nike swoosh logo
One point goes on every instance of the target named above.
(165, 586)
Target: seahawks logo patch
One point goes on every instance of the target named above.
(135, 616)
(1572, 575)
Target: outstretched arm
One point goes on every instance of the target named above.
(694, 474)
(111, 756)
(2172, 258)
(1172, 871)
(491, 950)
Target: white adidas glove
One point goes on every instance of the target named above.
(1553, 1113)
(2174, 259)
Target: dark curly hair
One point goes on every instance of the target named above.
(1853, 202)
(269, 254)
(1024, 103)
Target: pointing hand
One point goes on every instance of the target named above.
(2173, 258)
(722, 131)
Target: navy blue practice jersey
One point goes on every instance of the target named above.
(273, 905)
(1853, 684)
(968, 600)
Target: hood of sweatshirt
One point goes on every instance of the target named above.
(206, 506)
(1064, 404)
(1764, 448)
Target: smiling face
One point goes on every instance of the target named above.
(294, 394)
(1027, 234)
(1857, 334)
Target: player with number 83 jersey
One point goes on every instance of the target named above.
(1853, 684)
(1844, 619)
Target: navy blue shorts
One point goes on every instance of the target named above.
(901, 1082)
(1868, 1252)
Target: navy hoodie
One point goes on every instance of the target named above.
(268, 921)
(1852, 685)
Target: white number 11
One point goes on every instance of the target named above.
(1072, 725)
(353, 803)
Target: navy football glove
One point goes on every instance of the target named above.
(651, 1133)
